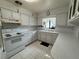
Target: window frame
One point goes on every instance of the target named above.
(49, 17)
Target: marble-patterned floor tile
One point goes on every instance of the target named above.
(34, 51)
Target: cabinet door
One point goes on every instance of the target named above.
(70, 11)
(32, 21)
(24, 19)
(44, 36)
(39, 21)
(77, 8)
(39, 35)
(61, 19)
(74, 7)
(70, 14)
(51, 37)
(27, 38)
(34, 36)
(16, 16)
(6, 14)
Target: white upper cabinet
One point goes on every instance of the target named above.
(43, 36)
(74, 12)
(39, 21)
(74, 4)
(70, 14)
(24, 19)
(70, 10)
(47, 36)
(10, 16)
(16, 16)
(6, 14)
(33, 20)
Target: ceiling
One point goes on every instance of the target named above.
(42, 5)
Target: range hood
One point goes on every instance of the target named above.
(10, 21)
(10, 24)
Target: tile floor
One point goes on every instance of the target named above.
(34, 51)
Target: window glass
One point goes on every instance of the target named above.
(49, 23)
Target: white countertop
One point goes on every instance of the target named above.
(48, 31)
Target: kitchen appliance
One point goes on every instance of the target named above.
(8, 25)
(12, 43)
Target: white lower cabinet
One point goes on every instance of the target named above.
(39, 35)
(29, 37)
(26, 38)
(51, 37)
(47, 37)
(43, 36)
(34, 35)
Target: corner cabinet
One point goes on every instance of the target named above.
(74, 12)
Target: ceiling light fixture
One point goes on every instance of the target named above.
(31, 0)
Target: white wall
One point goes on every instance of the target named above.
(60, 14)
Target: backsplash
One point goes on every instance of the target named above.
(19, 29)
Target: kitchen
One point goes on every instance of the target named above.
(39, 29)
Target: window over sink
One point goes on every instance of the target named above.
(49, 23)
